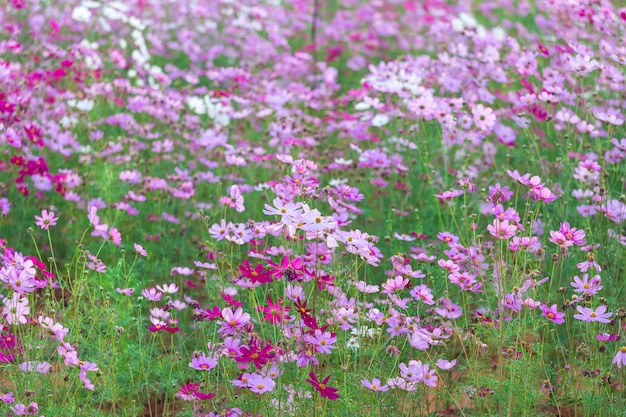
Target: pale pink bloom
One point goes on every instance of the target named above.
(168, 288)
(375, 385)
(16, 309)
(323, 341)
(233, 320)
(151, 294)
(366, 288)
(484, 117)
(445, 365)
(260, 384)
(140, 250)
(620, 357)
(588, 314)
(46, 220)
(502, 229)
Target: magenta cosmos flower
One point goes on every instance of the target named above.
(553, 314)
(324, 390)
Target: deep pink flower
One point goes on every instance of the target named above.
(255, 354)
(324, 390)
(275, 312)
(552, 313)
(255, 275)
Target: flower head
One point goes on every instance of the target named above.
(325, 391)
(46, 219)
(375, 385)
(552, 313)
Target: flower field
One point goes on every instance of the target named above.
(312, 208)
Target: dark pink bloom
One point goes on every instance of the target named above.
(324, 390)
(553, 314)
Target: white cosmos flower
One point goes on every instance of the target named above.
(380, 120)
(81, 14)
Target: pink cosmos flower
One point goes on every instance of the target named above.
(151, 294)
(448, 195)
(100, 229)
(202, 362)
(366, 288)
(552, 313)
(233, 320)
(588, 314)
(483, 117)
(125, 291)
(445, 365)
(140, 250)
(20, 280)
(168, 288)
(16, 309)
(7, 398)
(620, 357)
(502, 229)
(587, 286)
(116, 236)
(422, 293)
(448, 309)
(46, 220)
(375, 385)
(23, 409)
(260, 384)
(429, 376)
(394, 284)
(323, 341)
